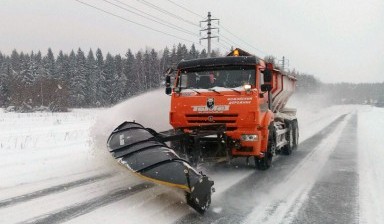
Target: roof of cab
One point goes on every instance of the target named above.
(218, 61)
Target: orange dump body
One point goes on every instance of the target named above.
(244, 112)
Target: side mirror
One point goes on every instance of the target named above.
(267, 75)
(167, 81)
(266, 87)
(168, 89)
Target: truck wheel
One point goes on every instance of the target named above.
(295, 132)
(287, 149)
(266, 162)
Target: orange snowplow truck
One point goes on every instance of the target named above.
(232, 106)
(221, 108)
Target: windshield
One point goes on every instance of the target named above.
(223, 77)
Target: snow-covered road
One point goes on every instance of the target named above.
(54, 169)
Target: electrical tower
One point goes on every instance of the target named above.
(209, 31)
(284, 62)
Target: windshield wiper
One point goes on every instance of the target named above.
(237, 91)
(195, 91)
(213, 90)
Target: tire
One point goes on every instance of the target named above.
(287, 149)
(265, 162)
(295, 128)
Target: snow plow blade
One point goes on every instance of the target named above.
(144, 152)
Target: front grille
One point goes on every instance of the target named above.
(210, 118)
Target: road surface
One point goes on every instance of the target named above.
(335, 176)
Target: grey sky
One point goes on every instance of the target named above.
(336, 40)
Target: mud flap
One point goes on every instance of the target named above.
(143, 152)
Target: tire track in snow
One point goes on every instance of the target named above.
(239, 200)
(51, 190)
(76, 210)
(159, 204)
(336, 192)
(286, 199)
(61, 200)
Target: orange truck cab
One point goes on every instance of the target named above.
(242, 94)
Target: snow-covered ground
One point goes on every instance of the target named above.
(54, 167)
(37, 146)
(371, 164)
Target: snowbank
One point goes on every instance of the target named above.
(371, 166)
(39, 131)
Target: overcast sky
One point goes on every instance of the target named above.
(335, 40)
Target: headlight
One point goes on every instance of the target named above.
(247, 87)
(249, 138)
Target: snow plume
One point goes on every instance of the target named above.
(149, 109)
(309, 101)
(315, 111)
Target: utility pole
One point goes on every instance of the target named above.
(209, 32)
(283, 62)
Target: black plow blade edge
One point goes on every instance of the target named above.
(143, 152)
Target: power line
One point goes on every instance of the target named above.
(221, 45)
(228, 42)
(225, 47)
(151, 19)
(141, 11)
(185, 8)
(128, 20)
(165, 11)
(188, 10)
(233, 42)
(243, 40)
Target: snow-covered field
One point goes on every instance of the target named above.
(54, 166)
(33, 146)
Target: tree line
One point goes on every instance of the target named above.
(340, 93)
(335, 93)
(80, 79)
